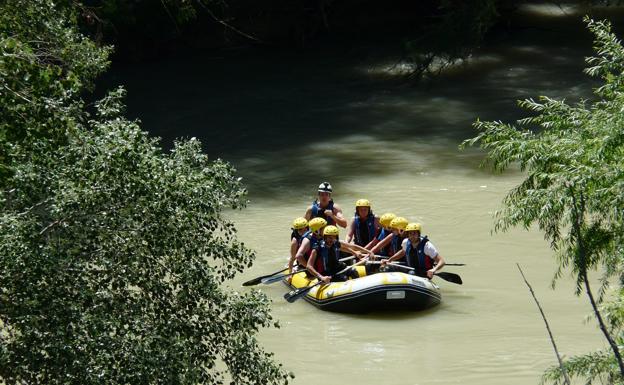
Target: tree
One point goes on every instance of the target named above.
(112, 252)
(574, 192)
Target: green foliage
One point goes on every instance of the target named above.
(574, 186)
(45, 63)
(112, 252)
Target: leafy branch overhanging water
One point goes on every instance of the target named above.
(574, 192)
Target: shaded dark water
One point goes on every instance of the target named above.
(277, 116)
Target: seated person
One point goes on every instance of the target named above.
(299, 229)
(418, 253)
(309, 240)
(392, 242)
(324, 262)
(384, 221)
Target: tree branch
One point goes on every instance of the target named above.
(550, 335)
(582, 255)
(226, 25)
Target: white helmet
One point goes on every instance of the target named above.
(325, 187)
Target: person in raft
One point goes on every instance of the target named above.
(391, 244)
(364, 226)
(309, 240)
(418, 252)
(324, 207)
(299, 229)
(324, 261)
(384, 232)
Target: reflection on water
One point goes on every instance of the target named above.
(288, 121)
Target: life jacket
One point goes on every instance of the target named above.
(416, 257)
(327, 258)
(382, 235)
(395, 244)
(317, 211)
(314, 241)
(363, 237)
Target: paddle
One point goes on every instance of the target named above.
(257, 280)
(276, 278)
(451, 277)
(294, 295)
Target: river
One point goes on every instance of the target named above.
(289, 120)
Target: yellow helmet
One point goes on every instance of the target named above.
(299, 223)
(316, 223)
(362, 203)
(330, 230)
(398, 223)
(413, 227)
(386, 219)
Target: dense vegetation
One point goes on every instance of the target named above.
(112, 252)
(573, 156)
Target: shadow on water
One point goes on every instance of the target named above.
(288, 120)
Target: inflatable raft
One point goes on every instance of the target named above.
(376, 292)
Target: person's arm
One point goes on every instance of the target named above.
(293, 254)
(351, 232)
(336, 215)
(374, 241)
(382, 244)
(438, 260)
(354, 249)
(308, 213)
(305, 245)
(313, 271)
(371, 244)
(398, 255)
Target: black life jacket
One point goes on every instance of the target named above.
(318, 211)
(364, 230)
(327, 258)
(415, 256)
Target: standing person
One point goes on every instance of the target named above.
(299, 229)
(418, 252)
(324, 207)
(364, 226)
(392, 242)
(309, 241)
(325, 262)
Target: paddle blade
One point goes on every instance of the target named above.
(254, 281)
(451, 277)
